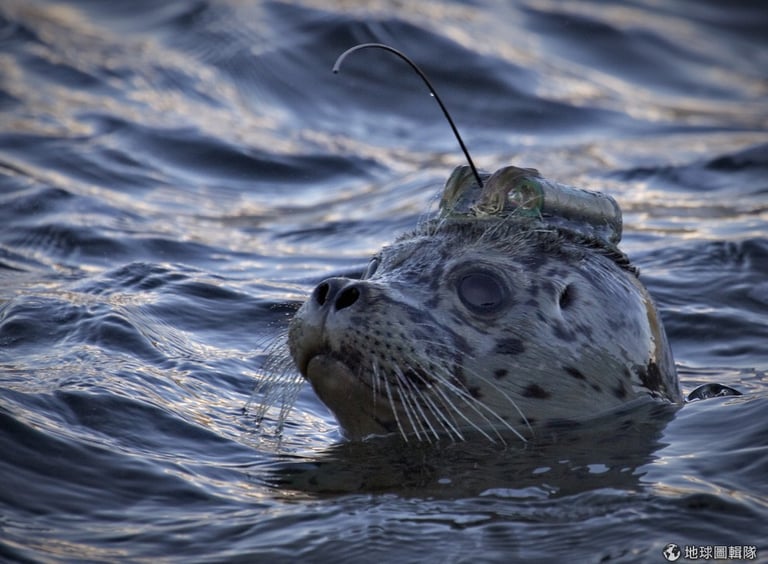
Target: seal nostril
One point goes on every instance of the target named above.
(347, 297)
(321, 293)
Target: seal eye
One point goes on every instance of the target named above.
(371, 269)
(481, 291)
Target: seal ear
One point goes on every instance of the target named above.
(567, 296)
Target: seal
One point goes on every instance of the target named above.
(511, 310)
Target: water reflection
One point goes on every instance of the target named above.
(557, 462)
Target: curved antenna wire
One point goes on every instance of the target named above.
(337, 67)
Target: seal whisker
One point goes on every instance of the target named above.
(480, 407)
(445, 385)
(408, 408)
(506, 396)
(418, 394)
(483, 378)
(411, 404)
(446, 400)
(451, 427)
(394, 409)
(280, 384)
(446, 382)
(375, 384)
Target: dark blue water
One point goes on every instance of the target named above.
(176, 176)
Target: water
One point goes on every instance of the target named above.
(176, 176)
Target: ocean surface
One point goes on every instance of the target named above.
(176, 177)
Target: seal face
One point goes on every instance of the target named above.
(483, 323)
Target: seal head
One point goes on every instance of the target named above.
(511, 310)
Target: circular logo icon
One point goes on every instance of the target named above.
(671, 552)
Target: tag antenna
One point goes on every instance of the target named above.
(414, 66)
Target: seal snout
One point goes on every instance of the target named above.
(336, 293)
(311, 332)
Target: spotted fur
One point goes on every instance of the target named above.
(492, 326)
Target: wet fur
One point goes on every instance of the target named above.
(411, 360)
